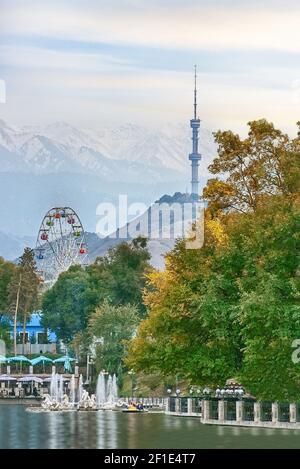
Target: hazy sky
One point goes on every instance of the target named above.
(98, 62)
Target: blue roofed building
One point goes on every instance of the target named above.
(37, 340)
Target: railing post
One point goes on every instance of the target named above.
(168, 404)
(190, 405)
(221, 410)
(53, 369)
(177, 405)
(8, 369)
(293, 413)
(274, 412)
(257, 412)
(239, 411)
(206, 410)
(30, 369)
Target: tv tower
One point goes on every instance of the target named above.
(195, 157)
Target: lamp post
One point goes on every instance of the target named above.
(131, 374)
(206, 393)
(89, 362)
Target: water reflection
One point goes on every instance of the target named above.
(21, 429)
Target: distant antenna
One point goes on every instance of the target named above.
(195, 156)
(195, 94)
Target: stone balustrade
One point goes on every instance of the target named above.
(250, 414)
(243, 412)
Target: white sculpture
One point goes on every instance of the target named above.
(86, 402)
(50, 403)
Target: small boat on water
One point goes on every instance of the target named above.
(133, 409)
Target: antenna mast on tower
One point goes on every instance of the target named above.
(195, 156)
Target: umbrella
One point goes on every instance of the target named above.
(67, 366)
(7, 378)
(66, 361)
(48, 380)
(63, 359)
(41, 359)
(28, 379)
(19, 359)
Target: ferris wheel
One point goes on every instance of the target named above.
(60, 243)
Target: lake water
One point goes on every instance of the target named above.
(113, 430)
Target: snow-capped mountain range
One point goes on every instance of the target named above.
(130, 152)
(60, 165)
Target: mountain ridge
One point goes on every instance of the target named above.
(58, 164)
(56, 147)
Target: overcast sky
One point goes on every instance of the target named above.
(98, 62)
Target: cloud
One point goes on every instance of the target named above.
(115, 94)
(186, 25)
(41, 58)
(131, 60)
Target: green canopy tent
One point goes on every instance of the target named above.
(41, 360)
(19, 359)
(66, 361)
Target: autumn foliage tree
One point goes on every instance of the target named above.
(231, 308)
(265, 163)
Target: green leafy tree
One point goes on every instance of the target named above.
(23, 292)
(231, 309)
(120, 276)
(65, 306)
(7, 270)
(110, 327)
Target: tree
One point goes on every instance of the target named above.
(31, 285)
(5, 340)
(7, 270)
(120, 276)
(266, 163)
(111, 326)
(65, 306)
(269, 309)
(231, 309)
(23, 291)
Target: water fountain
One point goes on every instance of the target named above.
(54, 387)
(57, 399)
(80, 388)
(61, 388)
(107, 391)
(105, 398)
(112, 389)
(72, 390)
(87, 402)
(101, 390)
